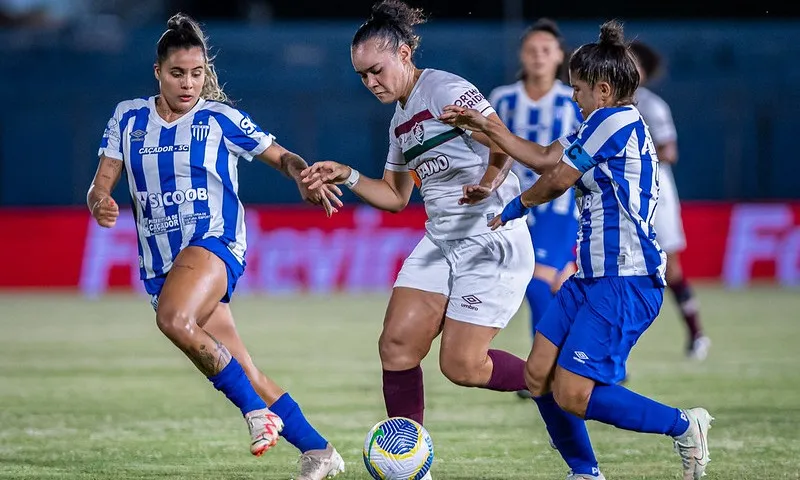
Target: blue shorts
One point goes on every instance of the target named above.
(214, 245)
(555, 237)
(595, 322)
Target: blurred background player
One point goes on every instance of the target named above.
(669, 227)
(539, 108)
(180, 151)
(461, 279)
(583, 342)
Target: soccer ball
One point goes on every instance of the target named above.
(398, 449)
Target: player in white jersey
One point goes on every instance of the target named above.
(669, 227)
(462, 279)
(180, 150)
(583, 341)
(539, 107)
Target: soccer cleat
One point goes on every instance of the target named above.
(692, 446)
(698, 350)
(585, 476)
(320, 464)
(265, 428)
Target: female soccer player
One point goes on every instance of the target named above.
(539, 107)
(668, 223)
(462, 279)
(180, 150)
(583, 341)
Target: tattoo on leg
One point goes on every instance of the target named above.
(211, 357)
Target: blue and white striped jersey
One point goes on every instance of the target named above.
(182, 175)
(542, 121)
(618, 192)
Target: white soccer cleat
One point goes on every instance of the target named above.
(320, 464)
(265, 428)
(699, 348)
(585, 476)
(692, 446)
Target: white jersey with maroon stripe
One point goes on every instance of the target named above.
(442, 159)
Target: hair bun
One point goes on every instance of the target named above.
(396, 12)
(179, 21)
(611, 33)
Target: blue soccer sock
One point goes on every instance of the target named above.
(539, 297)
(233, 382)
(618, 406)
(296, 429)
(569, 435)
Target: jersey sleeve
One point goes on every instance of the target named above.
(111, 143)
(601, 137)
(459, 92)
(659, 121)
(394, 158)
(244, 138)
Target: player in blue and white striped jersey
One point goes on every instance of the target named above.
(583, 341)
(180, 150)
(539, 107)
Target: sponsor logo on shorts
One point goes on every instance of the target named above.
(580, 357)
(470, 301)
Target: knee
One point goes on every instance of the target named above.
(537, 380)
(461, 370)
(571, 397)
(398, 352)
(175, 323)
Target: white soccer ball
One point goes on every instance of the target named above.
(398, 449)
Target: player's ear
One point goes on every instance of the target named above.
(404, 52)
(606, 91)
(156, 71)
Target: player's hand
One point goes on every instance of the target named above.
(327, 172)
(467, 118)
(327, 196)
(474, 194)
(514, 209)
(105, 211)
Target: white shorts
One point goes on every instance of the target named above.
(484, 277)
(668, 223)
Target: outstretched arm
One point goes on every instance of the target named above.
(390, 193)
(497, 171)
(292, 165)
(537, 157)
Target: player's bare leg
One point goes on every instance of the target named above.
(698, 344)
(413, 320)
(315, 463)
(466, 360)
(192, 290)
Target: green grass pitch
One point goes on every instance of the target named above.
(90, 390)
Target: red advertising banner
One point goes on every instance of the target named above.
(295, 249)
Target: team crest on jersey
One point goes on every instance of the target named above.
(138, 135)
(200, 131)
(419, 133)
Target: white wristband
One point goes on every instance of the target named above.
(352, 180)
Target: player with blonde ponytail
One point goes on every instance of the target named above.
(180, 150)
